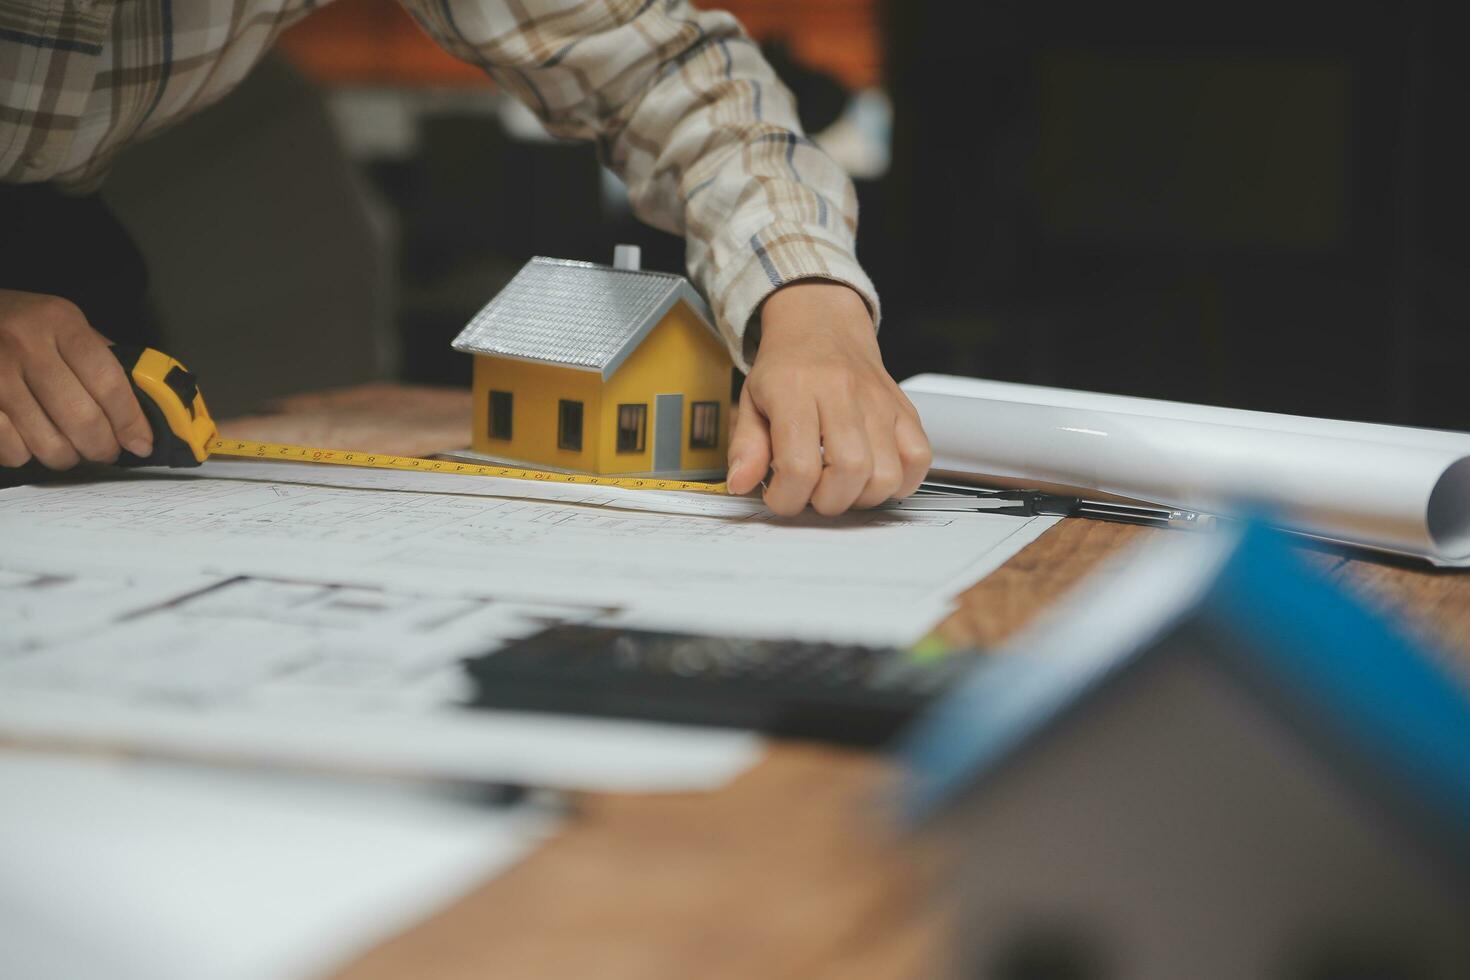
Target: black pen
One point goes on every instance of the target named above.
(938, 496)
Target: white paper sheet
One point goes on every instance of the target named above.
(323, 626)
(1390, 488)
(287, 671)
(148, 871)
(883, 576)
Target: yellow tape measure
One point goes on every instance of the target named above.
(185, 435)
(382, 461)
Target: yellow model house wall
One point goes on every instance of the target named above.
(535, 390)
(678, 357)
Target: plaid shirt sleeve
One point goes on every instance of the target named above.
(684, 108)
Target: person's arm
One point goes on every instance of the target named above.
(63, 396)
(683, 107)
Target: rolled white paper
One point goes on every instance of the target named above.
(1391, 488)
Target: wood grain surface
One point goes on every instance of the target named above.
(796, 870)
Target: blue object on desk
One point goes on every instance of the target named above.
(1211, 732)
(1354, 682)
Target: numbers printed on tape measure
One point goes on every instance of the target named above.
(336, 457)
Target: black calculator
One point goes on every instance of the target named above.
(854, 695)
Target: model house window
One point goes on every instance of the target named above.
(569, 425)
(704, 425)
(632, 421)
(500, 414)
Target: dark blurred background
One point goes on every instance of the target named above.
(1254, 204)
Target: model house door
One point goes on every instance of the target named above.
(668, 431)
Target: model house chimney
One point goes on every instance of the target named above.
(628, 257)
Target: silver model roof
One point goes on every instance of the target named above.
(577, 314)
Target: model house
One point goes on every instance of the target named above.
(600, 369)
(1213, 765)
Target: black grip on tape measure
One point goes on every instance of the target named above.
(168, 448)
(127, 355)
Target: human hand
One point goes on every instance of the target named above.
(63, 395)
(820, 409)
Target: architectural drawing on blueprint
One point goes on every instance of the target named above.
(322, 625)
(266, 643)
(878, 575)
(287, 671)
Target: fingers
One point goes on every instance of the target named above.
(847, 455)
(106, 383)
(886, 473)
(901, 454)
(42, 439)
(795, 450)
(750, 447)
(13, 451)
(70, 407)
(914, 453)
(62, 393)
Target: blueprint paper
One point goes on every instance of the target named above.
(319, 625)
(134, 870)
(876, 575)
(45, 603)
(294, 672)
(1390, 488)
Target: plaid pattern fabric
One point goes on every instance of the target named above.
(678, 101)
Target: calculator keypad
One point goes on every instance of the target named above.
(839, 692)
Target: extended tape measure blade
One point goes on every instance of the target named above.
(247, 449)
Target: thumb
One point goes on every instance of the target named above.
(135, 434)
(750, 447)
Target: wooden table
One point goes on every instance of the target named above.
(791, 871)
